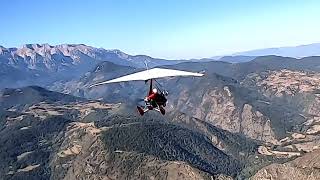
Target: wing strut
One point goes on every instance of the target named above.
(150, 89)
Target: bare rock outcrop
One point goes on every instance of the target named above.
(305, 167)
(219, 108)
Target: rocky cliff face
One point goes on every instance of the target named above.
(218, 102)
(218, 107)
(305, 167)
(298, 89)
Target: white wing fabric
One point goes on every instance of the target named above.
(150, 74)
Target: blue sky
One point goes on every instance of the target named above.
(175, 29)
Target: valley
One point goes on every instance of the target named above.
(240, 121)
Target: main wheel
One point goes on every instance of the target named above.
(140, 110)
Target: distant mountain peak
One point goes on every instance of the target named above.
(299, 51)
(66, 61)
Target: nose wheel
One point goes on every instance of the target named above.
(162, 110)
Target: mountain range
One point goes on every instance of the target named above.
(43, 64)
(293, 51)
(298, 52)
(251, 119)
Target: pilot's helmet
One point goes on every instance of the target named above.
(154, 90)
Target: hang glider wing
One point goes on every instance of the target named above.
(154, 73)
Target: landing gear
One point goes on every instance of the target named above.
(162, 110)
(140, 110)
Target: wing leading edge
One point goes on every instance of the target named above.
(154, 73)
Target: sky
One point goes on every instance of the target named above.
(172, 29)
